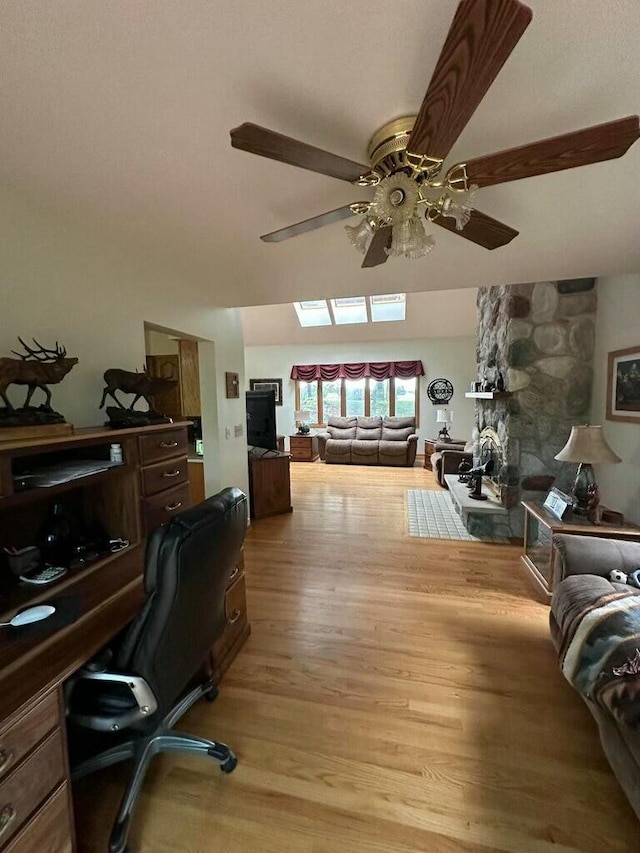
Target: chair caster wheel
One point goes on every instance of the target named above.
(230, 764)
(212, 694)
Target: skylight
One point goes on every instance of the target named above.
(313, 312)
(391, 306)
(349, 309)
(352, 309)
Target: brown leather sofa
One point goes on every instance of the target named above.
(369, 441)
(594, 629)
(447, 457)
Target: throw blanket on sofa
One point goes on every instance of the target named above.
(600, 656)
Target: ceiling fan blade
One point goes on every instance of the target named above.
(376, 254)
(481, 37)
(310, 224)
(481, 229)
(268, 143)
(590, 145)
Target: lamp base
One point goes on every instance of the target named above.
(584, 483)
(443, 435)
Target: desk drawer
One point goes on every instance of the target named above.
(29, 785)
(163, 445)
(21, 737)
(236, 610)
(164, 475)
(49, 830)
(160, 508)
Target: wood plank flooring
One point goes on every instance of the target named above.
(397, 695)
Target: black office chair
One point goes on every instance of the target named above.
(138, 689)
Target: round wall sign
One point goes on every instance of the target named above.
(440, 391)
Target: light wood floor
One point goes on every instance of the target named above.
(397, 695)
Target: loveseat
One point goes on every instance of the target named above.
(595, 625)
(369, 441)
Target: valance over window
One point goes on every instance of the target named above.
(357, 370)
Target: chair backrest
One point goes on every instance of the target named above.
(188, 563)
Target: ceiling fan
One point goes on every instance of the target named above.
(407, 155)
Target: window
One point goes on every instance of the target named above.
(313, 312)
(361, 397)
(308, 399)
(351, 309)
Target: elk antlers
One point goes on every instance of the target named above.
(41, 354)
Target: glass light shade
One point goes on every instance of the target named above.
(460, 207)
(409, 239)
(360, 235)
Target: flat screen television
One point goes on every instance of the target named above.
(261, 419)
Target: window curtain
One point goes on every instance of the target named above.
(357, 370)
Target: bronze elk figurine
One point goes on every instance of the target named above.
(141, 384)
(35, 368)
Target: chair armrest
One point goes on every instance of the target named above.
(593, 555)
(146, 702)
(322, 441)
(451, 459)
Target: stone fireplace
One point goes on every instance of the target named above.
(540, 337)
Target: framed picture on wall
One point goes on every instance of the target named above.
(268, 385)
(623, 385)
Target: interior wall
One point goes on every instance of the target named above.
(617, 328)
(60, 283)
(451, 358)
(159, 343)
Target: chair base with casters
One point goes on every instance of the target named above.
(142, 749)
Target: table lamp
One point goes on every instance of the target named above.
(444, 416)
(586, 445)
(302, 419)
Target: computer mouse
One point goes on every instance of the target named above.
(32, 614)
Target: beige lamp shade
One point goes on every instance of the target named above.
(302, 417)
(587, 444)
(444, 416)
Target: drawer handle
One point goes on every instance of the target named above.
(7, 817)
(171, 473)
(168, 444)
(234, 617)
(234, 574)
(5, 759)
(173, 507)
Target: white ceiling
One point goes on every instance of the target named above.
(118, 114)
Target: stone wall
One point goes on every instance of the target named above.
(540, 336)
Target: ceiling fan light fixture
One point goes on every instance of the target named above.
(461, 208)
(360, 235)
(396, 199)
(410, 239)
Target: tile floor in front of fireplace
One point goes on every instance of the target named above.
(433, 515)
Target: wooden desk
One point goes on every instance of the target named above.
(93, 604)
(538, 557)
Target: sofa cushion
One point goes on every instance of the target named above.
(393, 434)
(364, 451)
(393, 452)
(341, 433)
(337, 450)
(369, 429)
(398, 429)
(342, 423)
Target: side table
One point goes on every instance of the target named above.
(304, 448)
(538, 557)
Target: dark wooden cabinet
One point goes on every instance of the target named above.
(269, 483)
